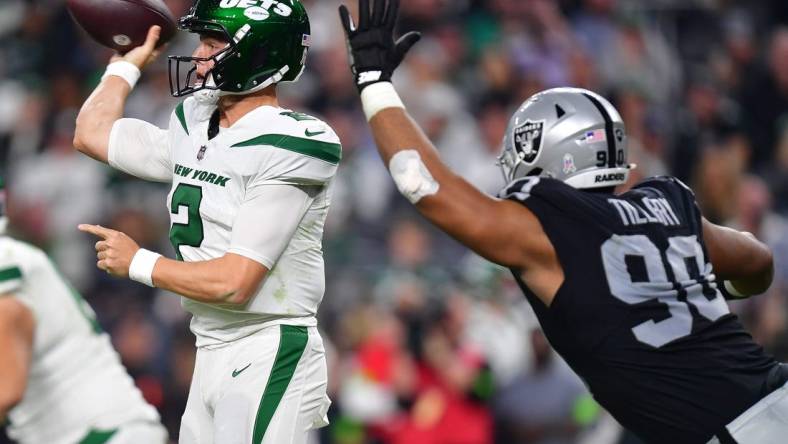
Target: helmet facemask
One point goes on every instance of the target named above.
(512, 163)
(214, 79)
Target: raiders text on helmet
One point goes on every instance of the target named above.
(268, 43)
(570, 134)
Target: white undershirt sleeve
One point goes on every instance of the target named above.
(141, 149)
(267, 220)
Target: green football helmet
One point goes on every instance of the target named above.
(267, 40)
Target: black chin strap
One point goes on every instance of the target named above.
(213, 125)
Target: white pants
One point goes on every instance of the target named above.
(764, 423)
(267, 388)
(141, 432)
(132, 433)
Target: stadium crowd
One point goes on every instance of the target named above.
(428, 344)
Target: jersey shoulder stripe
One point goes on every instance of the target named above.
(326, 151)
(190, 114)
(10, 273)
(181, 115)
(298, 117)
(10, 279)
(12, 263)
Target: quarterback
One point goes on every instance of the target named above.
(629, 288)
(250, 190)
(60, 380)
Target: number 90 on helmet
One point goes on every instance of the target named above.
(570, 134)
(268, 44)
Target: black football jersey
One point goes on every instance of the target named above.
(639, 316)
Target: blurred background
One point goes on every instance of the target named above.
(428, 344)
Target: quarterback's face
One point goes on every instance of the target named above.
(208, 47)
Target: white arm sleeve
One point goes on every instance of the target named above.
(267, 220)
(141, 149)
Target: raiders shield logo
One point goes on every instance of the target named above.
(528, 140)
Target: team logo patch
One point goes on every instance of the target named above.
(594, 136)
(258, 9)
(528, 139)
(122, 40)
(256, 13)
(569, 164)
(619, 135)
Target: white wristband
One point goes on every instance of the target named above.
(125, 70)
(732, 290)
(141, 267)
(379, 96)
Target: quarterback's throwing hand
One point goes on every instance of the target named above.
(114, 251)
(143, 55)
(374, 55)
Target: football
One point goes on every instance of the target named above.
(122, 24)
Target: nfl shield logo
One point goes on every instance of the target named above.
(201, 153)
(528, 139)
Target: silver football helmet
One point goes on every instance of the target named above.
(570, 134)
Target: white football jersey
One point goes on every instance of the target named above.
(210, 179)
(76, 381)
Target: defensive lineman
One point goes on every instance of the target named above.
(623, 285)
(60, 380)
(251, 186)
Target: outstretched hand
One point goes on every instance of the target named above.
(114, 251)
(374, 55)
(142, 56)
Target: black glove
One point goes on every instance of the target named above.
(374, 55)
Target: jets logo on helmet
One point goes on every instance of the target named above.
(279, 8)
(267, 40)
(569, 134)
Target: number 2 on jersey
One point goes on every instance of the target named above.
(186, 221)
(636, 273)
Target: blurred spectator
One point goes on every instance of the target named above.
(499, 318)
(777, 173)
(766, 315)
(45, 210)
(708, 116)
(765, 98)
(547, 404)
(452, 387)
(380, 373)
(407, 282)
(720, 167)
